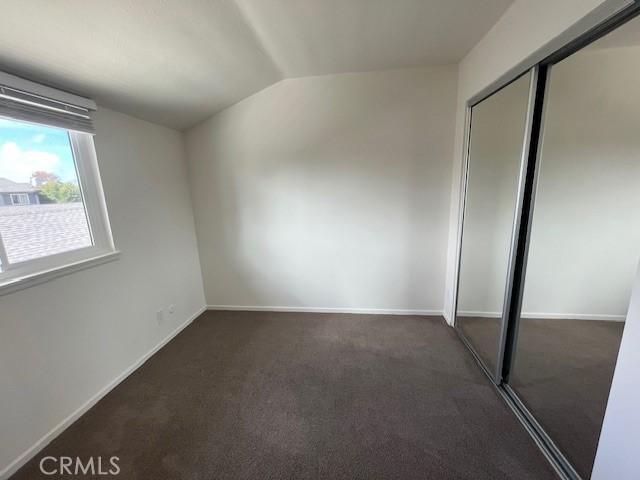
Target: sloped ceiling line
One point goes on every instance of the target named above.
(177, 62)
(261, 38)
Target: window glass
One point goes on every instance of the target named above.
(19, 199)
(42, 211)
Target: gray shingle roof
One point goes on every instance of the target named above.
(9, 186)
(32, 231)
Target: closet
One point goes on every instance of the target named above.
(551, 235)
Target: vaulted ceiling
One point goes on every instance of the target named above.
(176, 62)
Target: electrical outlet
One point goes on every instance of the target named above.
(172, 309)
(160, 316)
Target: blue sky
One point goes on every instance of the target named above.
(25, 148)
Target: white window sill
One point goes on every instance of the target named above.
(29, 280)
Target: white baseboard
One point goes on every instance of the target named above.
(473, 313)
(368, 311)
(557, 316)
(577, 316)
(58, 429)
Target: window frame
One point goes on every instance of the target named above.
(19, 195)
(18, 275)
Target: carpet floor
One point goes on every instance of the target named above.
(562, 372)
(260, 395)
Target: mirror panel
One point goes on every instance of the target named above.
(495, 153)
(584, 244)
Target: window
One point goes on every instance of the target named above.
(19, 199)
(52, 211)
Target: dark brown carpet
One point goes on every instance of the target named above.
(245, 395)
(563, 372)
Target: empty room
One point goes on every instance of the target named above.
(320, 239)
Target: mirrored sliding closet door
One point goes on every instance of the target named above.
(493, 176)
(550, 240)
(584, 243)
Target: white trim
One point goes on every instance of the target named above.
(88, 172)
(95, 210)
(366, 311)
(462, 197)
(13, 284)
(576, 316)
(551, 316)
(474, 313)
(61, 427)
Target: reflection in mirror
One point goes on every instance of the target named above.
(495, 151)
(584, 244)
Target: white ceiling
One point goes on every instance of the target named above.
(176, 62)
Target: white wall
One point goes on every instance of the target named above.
(63, 341)
(328, 192)
(618, 455)
(380, 143)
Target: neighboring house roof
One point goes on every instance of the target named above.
(34, 231)
(9, 186)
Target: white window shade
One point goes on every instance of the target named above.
(27, 101)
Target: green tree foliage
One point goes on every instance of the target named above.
(60, 192)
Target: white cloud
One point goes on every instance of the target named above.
(39, 138)
(17, 164)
